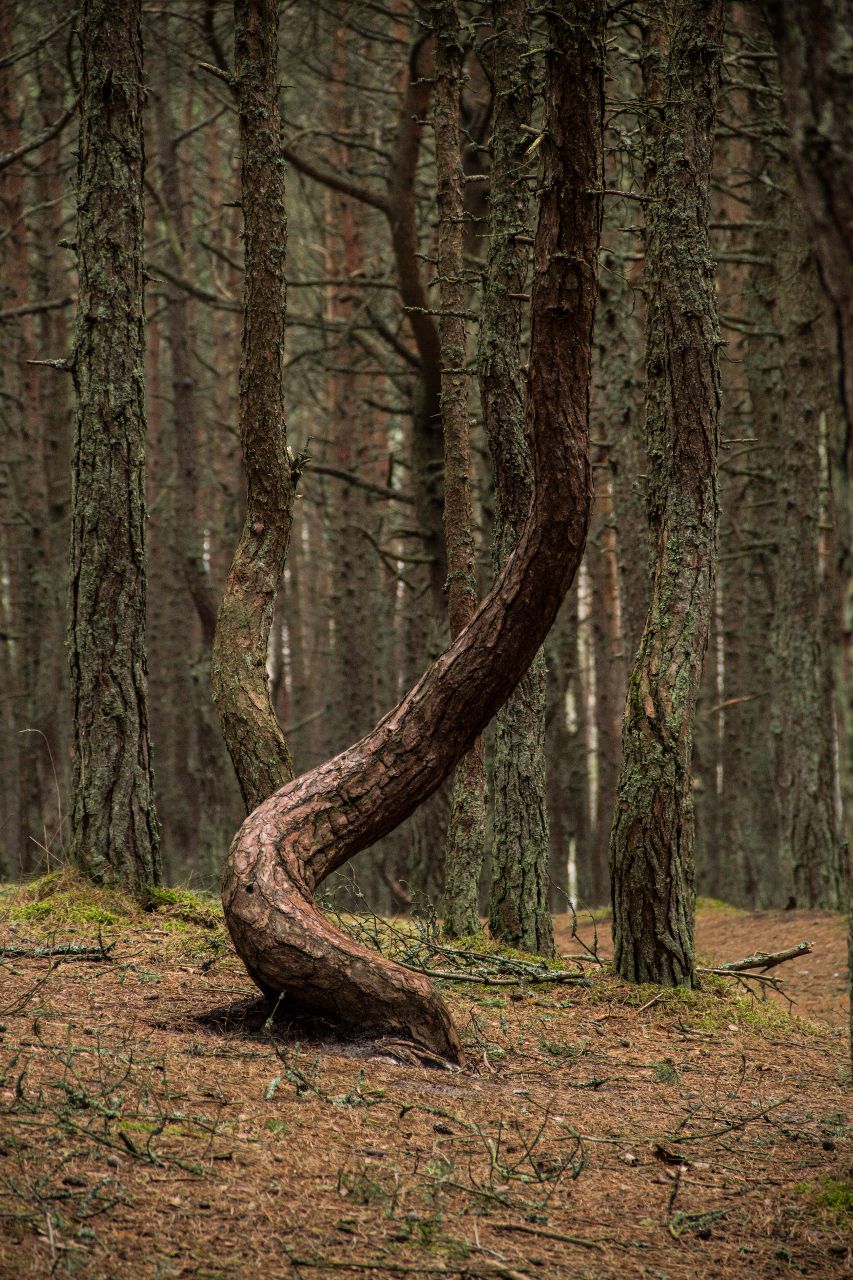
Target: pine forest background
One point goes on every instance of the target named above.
(363, 605)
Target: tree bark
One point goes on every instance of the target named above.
(607, 656)
(466, 831)
(401, 210)
(789, 372)
(239, 680)
(179, 329)
(519, 911)
(319, 821)
(114, 830)
(812, 40)
(652, 840)
(56, 408)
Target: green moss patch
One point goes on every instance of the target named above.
(62, 899)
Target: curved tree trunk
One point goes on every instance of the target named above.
(239, 665)
(652, 840)
(319, 821)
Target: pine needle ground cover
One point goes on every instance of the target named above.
(156, 1121)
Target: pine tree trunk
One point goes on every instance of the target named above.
(114, 831)
(519, 903)
(569, 818)
(812, 40)
(789, 370)
(610, 673)
(466, 832)
(652, 839)
(26, 527)
(252, 733)
(202, 761)
(55, 400)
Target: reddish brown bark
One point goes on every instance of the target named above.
(319, 821)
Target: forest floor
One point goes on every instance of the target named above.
(155, 1124)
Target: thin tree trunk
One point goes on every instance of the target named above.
(789, 370)
(610, 672)
(318, 822)
(401, 211)
(56, 407)
(652, 839)
(812, 40)
(179, 328)
(114, 830)
(568, 775)
(739, 804)
(211, 779)
(239, 680)
(13, 701)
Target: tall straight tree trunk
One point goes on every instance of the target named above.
(790, 375)
(426, 627)
(569, 819)
(742, 806)
(519, 900)
(607, 640)
(322, 819)
(466, 832)
(206, 771)
(652, 838)
(26, 527)
(169, 693)
(56, 408)
(13, 704)
(252, 733)
(114, 831)
(353, 563)
(812, 40)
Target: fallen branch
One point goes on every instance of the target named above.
(581, 1241)
(418, 951)
(483, 980)
(65, 951)
(762, 960)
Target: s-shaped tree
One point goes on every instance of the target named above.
(311, 826)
